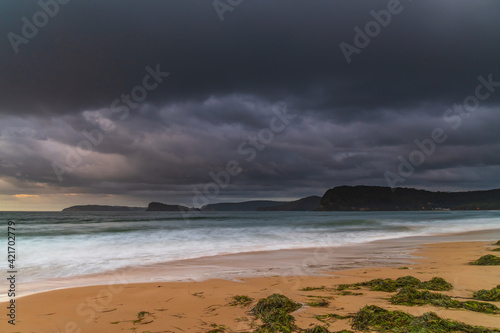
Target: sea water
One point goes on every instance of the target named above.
(57, 245)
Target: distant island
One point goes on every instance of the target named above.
(377, 198)
(101, 208)
(161, 207)
(340, 198)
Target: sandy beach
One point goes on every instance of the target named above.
(204, 306)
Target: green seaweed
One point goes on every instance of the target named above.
(372, 317)
(344, 286)
(331, 315)
(436, 283)
(408, 281)
(487, 260)
(140, 316)
(497, 249)
(410, 296)
(240, 300)
(480, 307)
(320, 304)
(313, 288)
(274, 311)
(488, 295)
(387, 285)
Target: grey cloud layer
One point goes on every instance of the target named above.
(353, 120)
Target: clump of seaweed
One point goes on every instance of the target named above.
(331, 315)
(496, 250)
(436, 283)
(240, 300)
(497, 243)
(480, 307)
(141, 316)
(487, 260)
(319, 304)
(274, 311)
(313, 288)
(345, 286)
(389, 285)
(488, 295)
(375, 318)
(408, 281)
(411, 296)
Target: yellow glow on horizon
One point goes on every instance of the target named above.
(22, 196)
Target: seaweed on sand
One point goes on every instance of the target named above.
(372, 317)
(436, 283)
(274, 311)
(319, 304)
(240, 300)
(487, 260)
(389, 285)
(488, 295)
(411, 296)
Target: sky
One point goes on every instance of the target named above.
(195, 102)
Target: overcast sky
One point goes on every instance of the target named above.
(188, 102)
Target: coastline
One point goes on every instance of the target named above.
(195, 306)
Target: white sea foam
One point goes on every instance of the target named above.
(56, 245)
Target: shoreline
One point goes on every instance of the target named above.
(310, 261)
(195, 306)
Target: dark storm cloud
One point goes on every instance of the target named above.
(91, 52)
(226, 78)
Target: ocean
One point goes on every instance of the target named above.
(54, 246)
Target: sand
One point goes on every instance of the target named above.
(203, 306)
